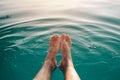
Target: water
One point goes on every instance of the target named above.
(26, 26)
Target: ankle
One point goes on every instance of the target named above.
(50, 64)
(65, 64)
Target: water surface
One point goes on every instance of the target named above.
(26, 27)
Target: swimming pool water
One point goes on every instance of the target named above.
(26, 27)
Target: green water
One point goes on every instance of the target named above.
(26, 27)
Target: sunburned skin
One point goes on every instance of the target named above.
(66, 65)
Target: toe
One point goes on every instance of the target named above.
(55, 37)
(55, 40)
(63, 37)
(68, 39)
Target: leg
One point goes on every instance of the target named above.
(66, 64)
(50, 61)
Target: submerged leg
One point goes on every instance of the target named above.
(66, 64)
(50, 61)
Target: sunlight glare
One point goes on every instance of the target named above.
(56, 4)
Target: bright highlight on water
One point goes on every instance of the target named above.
(27, 25)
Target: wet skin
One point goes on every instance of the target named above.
(63, 43)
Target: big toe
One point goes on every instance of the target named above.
(63, 37)
(68, 40)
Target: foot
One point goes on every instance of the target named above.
(65, 46)
(53, 50)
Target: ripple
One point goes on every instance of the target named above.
(25, 31)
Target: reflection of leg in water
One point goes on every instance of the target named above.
(50, 61)
(66, 64)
